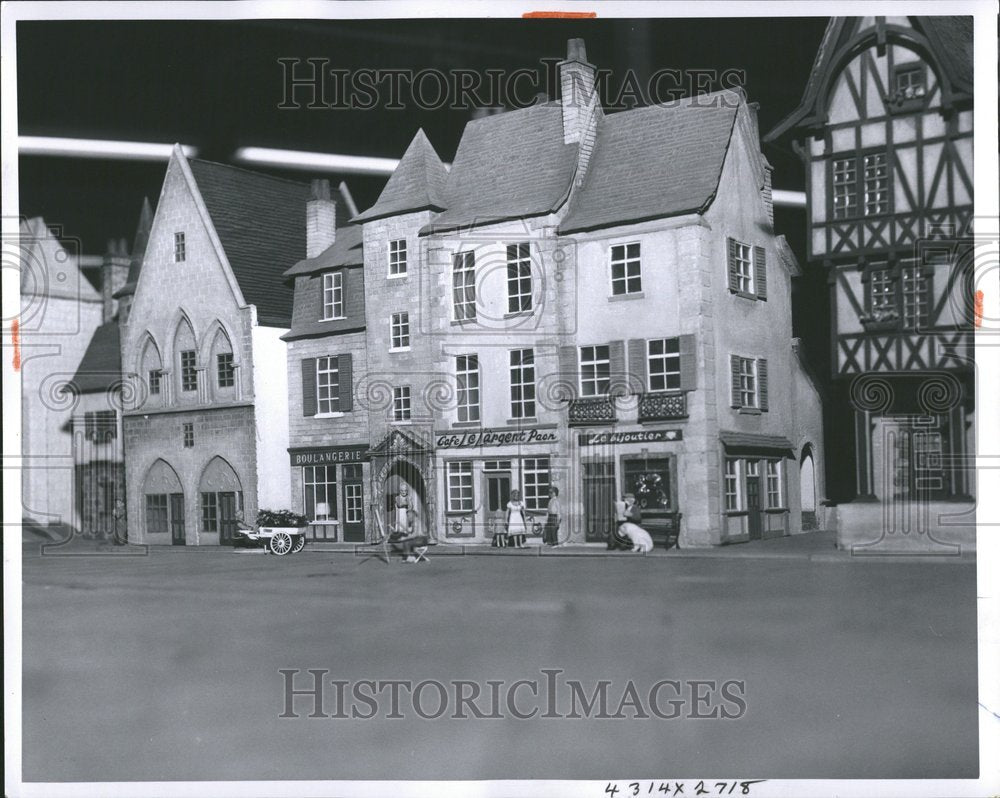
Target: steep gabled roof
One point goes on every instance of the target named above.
(655, 162)
(139, 244)
(261, 223)
(101, 365)
(49, 269)
(416, 184)
(949, 40)
(508, 166)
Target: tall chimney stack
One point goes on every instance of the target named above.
(576, 86)
(114, 272)
(321, 219)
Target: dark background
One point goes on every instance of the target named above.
(217, 85)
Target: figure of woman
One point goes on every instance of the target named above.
(402, 520)
(516, 528)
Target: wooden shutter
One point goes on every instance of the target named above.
(569, 369)
(762, 384)
(734, 282)
(345, 383)
(616, 354)
(689, 363)
(734, 368)
(309, 386)
(760, 272)
(637, 364)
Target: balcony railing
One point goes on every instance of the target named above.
(662, 406)
(592, 410)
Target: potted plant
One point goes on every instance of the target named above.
(880, 320)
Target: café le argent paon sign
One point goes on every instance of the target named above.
(482, 438)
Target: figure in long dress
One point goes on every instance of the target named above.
(402, 520)
(516, 527)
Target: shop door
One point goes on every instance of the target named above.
(598, 500)
(227, 518)
(354, 505)
(497, 496)
(754, 520)
(177, 536)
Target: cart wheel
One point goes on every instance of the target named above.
(281, 543)
(298, 544)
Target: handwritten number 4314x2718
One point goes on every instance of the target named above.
(634, 788)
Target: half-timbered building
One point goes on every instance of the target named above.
(885, 132)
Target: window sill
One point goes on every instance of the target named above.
(745, 295)
(401, 422)
(459, 513)
(336, 414)
(395, 349)
(466, 424)
(519, 314)
(623, 297)
(750, 411)
(464, 322)
(401, 276)
(332, 318)
(517, 422)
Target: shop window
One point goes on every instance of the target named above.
(775, 489)
(156, 513)
(650, 480)
(459, 483)
(320, 486)
(209, 512)
(536, 479)
(733, 486)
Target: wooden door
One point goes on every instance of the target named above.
(598, 500)
(754, 519)
(177, 534)
(353, 519)
(227, 518)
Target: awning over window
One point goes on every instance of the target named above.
(752, 443)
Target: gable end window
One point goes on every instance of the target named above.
(189, 373)
(747, 267)
(626, 270)
(180, 248)
(397, 258)
(225, 370)
(155, 380)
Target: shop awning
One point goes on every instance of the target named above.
(753, 443)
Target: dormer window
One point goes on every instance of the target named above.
(911, 81)
(333, 296)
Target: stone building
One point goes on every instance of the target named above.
(597, 303)
(206, 418)
(885, 132)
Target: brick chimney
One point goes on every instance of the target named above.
(114, 273)
(576, 86)
(321, 219)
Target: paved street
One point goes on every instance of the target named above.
(166, 666)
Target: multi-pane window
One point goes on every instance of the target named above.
(522, 383)
(535, 476)
(189, 374)
(467, 377)
(463, 286)
(518, 278)
(188, 435)
(354, 503)
(595, 370)
(209, 512)
(320, 486)
(401, 403)
(876, 184)
(911, 82)
(882, 290)
(399, 330)
(180, 248)
(100, 426)
(845, 188)
(155, 379)
(916, 295)
(732, 479)
(664, 364)
(156, 513)
(748, 382)
(773, 474)
(333, 296)
(327, 384)
(459, 479)
(743, 265)
(626, 272)
(225, 370)
(397, 257)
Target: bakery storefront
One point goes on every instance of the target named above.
(642, 462)
(334, 498)
(480, 468)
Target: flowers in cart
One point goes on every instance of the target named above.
(277, 531)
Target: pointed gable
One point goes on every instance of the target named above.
(48, 269)
(416, 184)
(139, 244)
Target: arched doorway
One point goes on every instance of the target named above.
(807, 487)
(403, 474)
(163, 505)
(221, 500)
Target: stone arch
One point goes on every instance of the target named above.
(218, 341)
(219, 475)
(184, 340)
(220, 500)
(398, 473)
(807, 479)
(162, 508)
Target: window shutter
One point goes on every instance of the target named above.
(733, 276)
(346, 383)
(762, 384)
(309, 386)
(637, 364)
(734, 368)
(689, 365)
(569, 369)
(760, 272)
(616, 354)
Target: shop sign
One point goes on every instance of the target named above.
(638, 436)
(498, 436)
(328, 455)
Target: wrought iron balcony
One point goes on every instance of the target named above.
(662, 406)
(592, 410)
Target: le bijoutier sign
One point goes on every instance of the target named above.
(480, 438)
